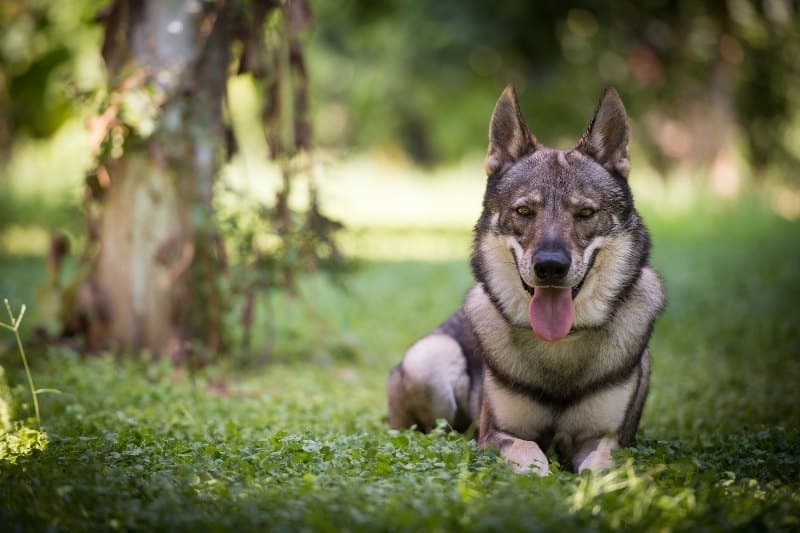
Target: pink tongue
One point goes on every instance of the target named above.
(551, 312)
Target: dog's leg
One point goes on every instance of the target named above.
(430, 383)
(596, 424)
(594, 454)
(627, 430)
(522, 455)
(399, 415)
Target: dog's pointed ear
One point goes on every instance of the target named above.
(606, 139)
(509, 138)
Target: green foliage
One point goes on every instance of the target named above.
(304, 444)
(269, 247)
(46, 55)
(16, 439)
(20, 441)
(424, 75)
(50, 70)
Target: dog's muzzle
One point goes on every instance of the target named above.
(577, 287)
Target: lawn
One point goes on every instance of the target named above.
(295, 437)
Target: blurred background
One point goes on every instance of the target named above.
(390, 109)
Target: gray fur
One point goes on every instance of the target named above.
(588, 389)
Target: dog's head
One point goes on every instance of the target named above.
(559, 238)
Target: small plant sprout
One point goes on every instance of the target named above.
(14, 327)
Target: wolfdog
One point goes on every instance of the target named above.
(551, 344)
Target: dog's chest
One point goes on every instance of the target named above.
(514, 350)
(585, 359)
(568, 360)
(595, 415)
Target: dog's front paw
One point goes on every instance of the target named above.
(526, 456)
(596, 461)
(595, 455)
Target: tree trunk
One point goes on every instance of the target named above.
(153, 282)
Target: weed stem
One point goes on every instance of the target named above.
(15, 322)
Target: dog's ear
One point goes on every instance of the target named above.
(606, 139)
(509, 138)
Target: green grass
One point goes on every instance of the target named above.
(302, 442)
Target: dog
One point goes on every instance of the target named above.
(550, 347)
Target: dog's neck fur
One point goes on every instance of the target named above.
(563, 371)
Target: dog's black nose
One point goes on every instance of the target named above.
(551, 264)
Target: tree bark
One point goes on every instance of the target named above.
(154, 279)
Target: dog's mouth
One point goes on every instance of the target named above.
(532, 290)
(552, 309)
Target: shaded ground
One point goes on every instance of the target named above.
(302, 442)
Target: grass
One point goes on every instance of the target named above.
(302, 443)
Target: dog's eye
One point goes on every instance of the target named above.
(586, 212)
(524, 211)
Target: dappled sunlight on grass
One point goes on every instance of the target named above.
(419, 244)
(376, 192)
(368, 192)
(635, 494)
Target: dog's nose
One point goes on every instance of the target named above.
(551, 264)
